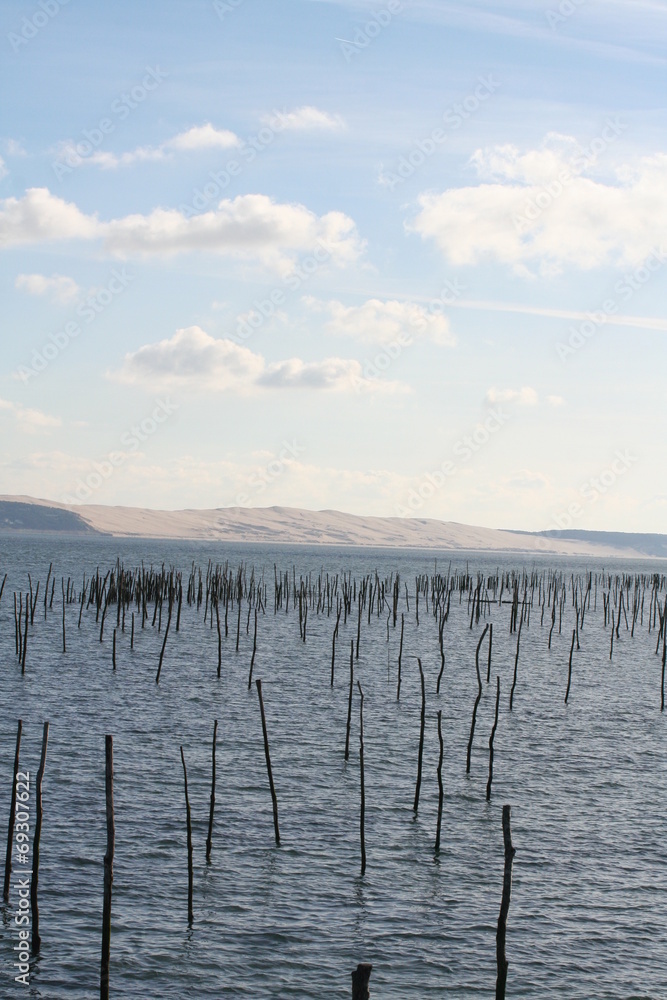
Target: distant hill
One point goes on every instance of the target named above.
(26, 516)
(647, 544)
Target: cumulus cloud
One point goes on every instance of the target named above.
(192, 359)
(304, 119)
(544, 208)
(40, 217)
(59, 288)
(28, 420)
(250, 227)
(383, 322)
(199, 137)
(555, 400)
(523, 397)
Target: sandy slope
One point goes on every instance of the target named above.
(290, 525)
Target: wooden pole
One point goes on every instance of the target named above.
(501, 934)
(516, 663)
(217, 622)
(360, 978)
(362, 810)
(188, 818)
(491, 739)
(569, 669)
(164, 643)
(254, 653)
(421, 738)
(36, 939)
(440, 788)
(349, 703)
(400, 654)
(488, 665)
(108, 871)
(25, 638)
(12, 816)
(210, 815)
(62, 584)
(477, 700)
(267, 754)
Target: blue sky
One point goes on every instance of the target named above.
(395, 258)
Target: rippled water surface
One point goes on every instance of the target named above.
(587, 784)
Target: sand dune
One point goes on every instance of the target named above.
(290, 525)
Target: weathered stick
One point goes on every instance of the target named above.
(12, 816)
(360, 978)
(477, 699)
(113, 649)
(491, 739)
(274, 798)
(108, 871)
(362, 810)
(217, 622)
(516, 663)
(254, 653)
(569, 669)
(25, 638)
(501, 934)
(400, 654)
(421, 738)
(188, 818)
(164, 643)
(349, 703)
(440, 788)
(212, 807)
(36, 939)
(488, 665)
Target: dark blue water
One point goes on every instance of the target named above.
(587, 783)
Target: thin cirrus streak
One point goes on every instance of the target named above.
(644, 322)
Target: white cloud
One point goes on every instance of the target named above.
(40, 217)
(383, 322)
(203, 137)
(523, 397)
(3, 168)
(199, 137)
(192, 359)
(542, 207)
(58, 287)
(305, 118)
(28, 420)
(251, 227)
(555, 400)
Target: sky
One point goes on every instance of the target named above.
(399, 258)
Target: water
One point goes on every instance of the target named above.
(587, 783)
